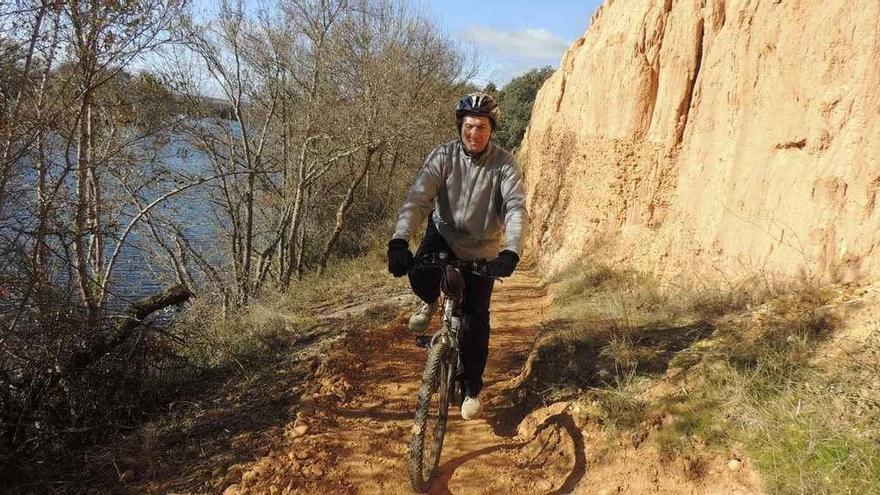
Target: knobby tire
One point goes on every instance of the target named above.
(432, 412)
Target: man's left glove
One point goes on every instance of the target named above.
(399, 257)
(503, 265)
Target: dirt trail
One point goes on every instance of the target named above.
(352, 435)
(352, 431)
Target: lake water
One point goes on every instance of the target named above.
(142, 268)
(139, 272)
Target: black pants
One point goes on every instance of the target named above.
(474, 337)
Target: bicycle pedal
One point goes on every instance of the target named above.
(423, 341)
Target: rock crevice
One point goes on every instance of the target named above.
(684, 110)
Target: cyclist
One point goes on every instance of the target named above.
(476, 193)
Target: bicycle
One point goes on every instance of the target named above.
(441, 379)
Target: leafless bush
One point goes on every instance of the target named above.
(316, 117)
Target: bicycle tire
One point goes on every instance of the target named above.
(431, 417)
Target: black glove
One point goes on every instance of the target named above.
(399, 257)
(503, 265)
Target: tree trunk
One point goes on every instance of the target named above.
(277, 243)
(8, 160)
(295, 218)
(344, 207)
(246, 279)
(41, 249)
(95, 208)
(82, 206)
(131, 319)
(301, 249)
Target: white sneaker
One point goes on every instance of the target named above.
(471, 408)
(419, 321)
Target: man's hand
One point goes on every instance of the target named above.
(503, 265)
(399, 257)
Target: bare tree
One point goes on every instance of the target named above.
(262, 86)
(316, 115)
(400, 73)
(70, 127)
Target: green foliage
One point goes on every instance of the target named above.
(516, 99)
(695, 421)
(801, 443)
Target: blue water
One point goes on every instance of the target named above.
(139, 272)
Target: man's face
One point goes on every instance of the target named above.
(475, 133)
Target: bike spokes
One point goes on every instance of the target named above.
(431, 416)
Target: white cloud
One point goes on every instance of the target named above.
(530, 44)
(501, 73)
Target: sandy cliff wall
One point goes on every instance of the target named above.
(713, 136)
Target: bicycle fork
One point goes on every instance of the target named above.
(454, 321)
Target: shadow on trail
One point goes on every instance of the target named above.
(563, 421)
(228, 416)
(580, 457)
(575, 356)
(447, 469)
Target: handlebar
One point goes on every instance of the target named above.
(442, 258)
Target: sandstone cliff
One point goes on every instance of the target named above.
(713, 136)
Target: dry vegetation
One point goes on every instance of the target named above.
(114, 183)
(239, 379)
(270, 353)
(702, 371)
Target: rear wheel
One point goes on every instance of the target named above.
(432, 412)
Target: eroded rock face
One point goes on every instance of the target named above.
(712, 136)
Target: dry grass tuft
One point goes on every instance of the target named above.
(744, 358)
(269, 325)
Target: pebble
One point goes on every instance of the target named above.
(312, 471)
(734, 465)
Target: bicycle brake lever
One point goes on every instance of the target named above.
(484, 272)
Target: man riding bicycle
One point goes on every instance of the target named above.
(476, 193)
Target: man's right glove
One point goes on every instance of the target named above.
(503, 265)
(399, 257)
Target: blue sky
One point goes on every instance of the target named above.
(512, 36)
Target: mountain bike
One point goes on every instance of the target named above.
(441, 380)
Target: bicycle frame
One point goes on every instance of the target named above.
(452, 288)
(443, 371)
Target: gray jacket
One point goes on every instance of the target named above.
(475, 202)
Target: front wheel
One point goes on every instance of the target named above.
(431, 413)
